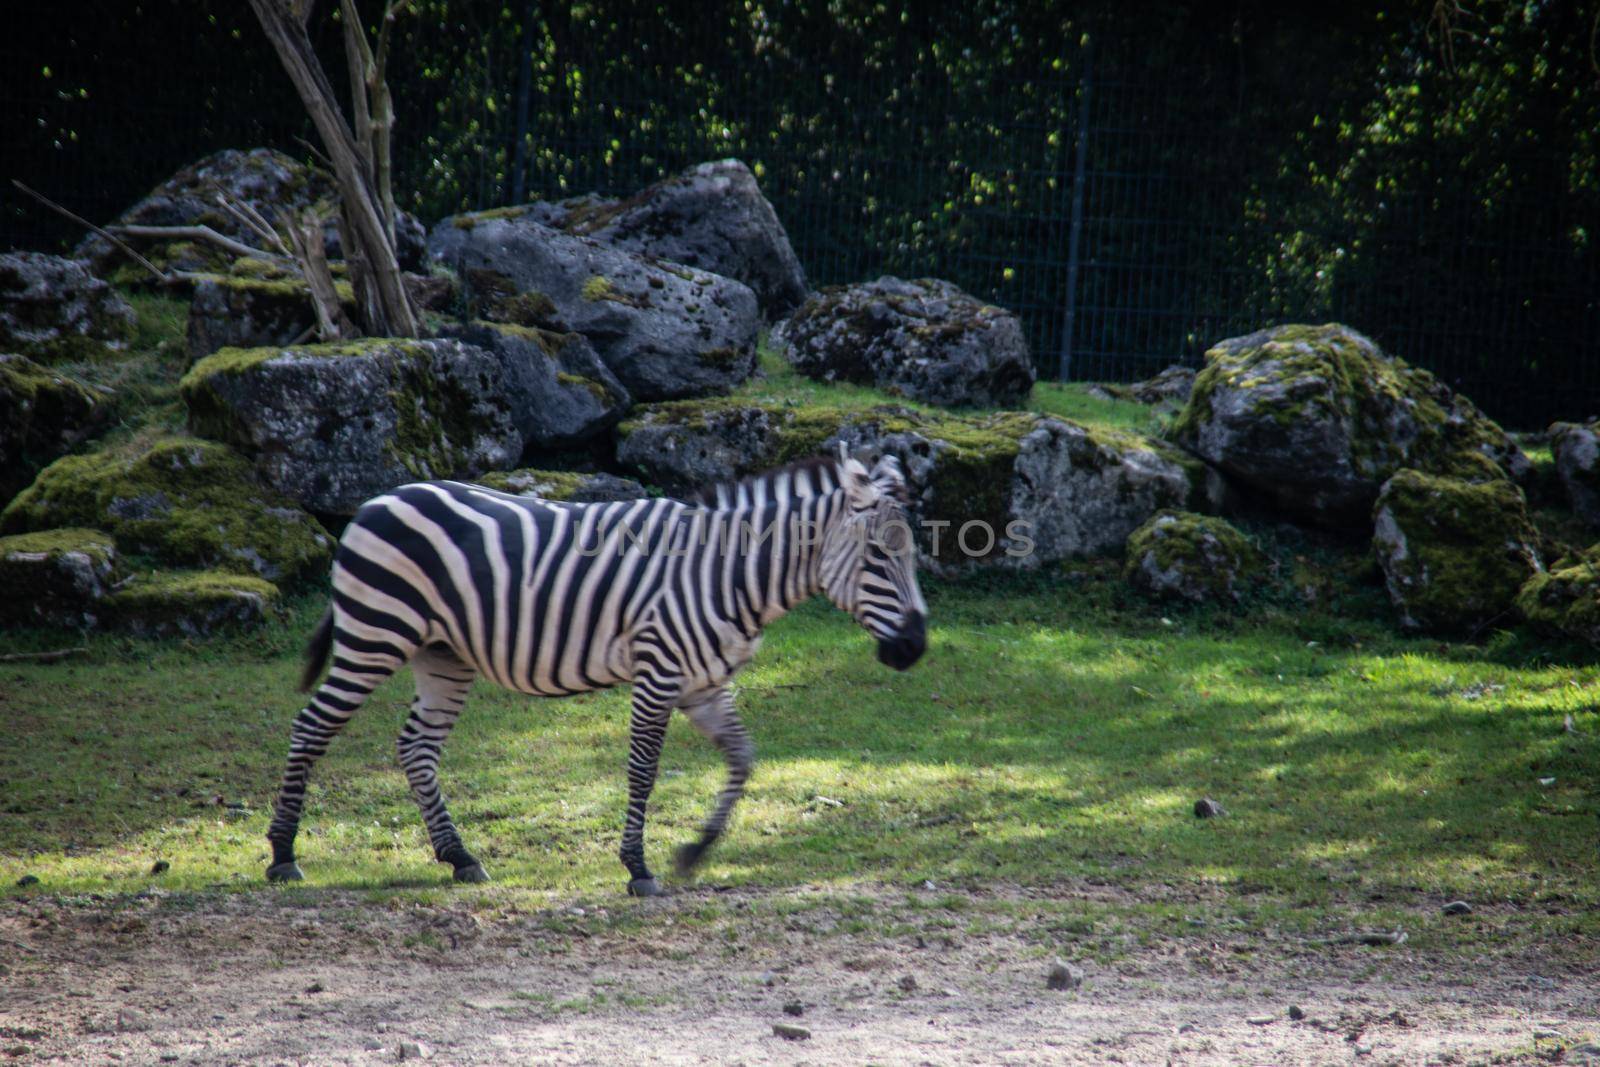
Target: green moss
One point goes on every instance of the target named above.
(550, 342)
(598, 287)
(1201, 558)
(1566, 599)
(470, 220)
(596, 389)
(96, 544)
(1454, 553)
(532, 308)
(284, 287)
(549, 485)
(183, 500)
(191, 603)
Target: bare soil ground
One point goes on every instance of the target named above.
(317, 976)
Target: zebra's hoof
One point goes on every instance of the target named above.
(472, 872)
(645, 887)
(688, 857)
(285, 872)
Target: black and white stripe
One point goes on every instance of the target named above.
(552, 599)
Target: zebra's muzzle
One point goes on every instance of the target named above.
(907, 646)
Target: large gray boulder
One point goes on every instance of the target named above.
(1013, 489)
(56, 577)
(332, 425)
(923, 339)
(665, 330)
(53, 310)
(276, 185)
(43, 415)
(1576, 450)
(1316, 418)
(559, 392)
(712, 216)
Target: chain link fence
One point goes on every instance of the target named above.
(1131, 211)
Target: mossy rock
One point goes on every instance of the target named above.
(333, 425)
(1076, 491)
(53, 310)
(271, 182)
(184, 501)
(1454, 553)
(1316, 418)
(56, 577)
(191, 604)
(1566, 598)
(578, 487)
(1179, 555)
(43, 414)
(263, 305)
(925, 339)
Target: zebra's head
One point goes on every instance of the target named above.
(869, 561)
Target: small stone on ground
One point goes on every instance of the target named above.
(1206, 808)
(1064, 976)
(791, 1032)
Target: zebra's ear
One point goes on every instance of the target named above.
(858, 486)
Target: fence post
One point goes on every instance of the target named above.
(1069, 315)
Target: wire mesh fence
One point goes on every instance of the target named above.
(1131, 211)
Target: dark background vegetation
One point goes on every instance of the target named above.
(1426, 173)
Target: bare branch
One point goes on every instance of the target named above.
(251, 219)
(319, 154)
(43, 657)
(195, 233)
(122, 246)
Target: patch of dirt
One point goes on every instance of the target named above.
(317, 976)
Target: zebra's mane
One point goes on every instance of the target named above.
(823, 474)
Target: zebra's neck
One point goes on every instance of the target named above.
(772, 555)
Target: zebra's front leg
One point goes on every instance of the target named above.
(442, 682)
(715, 716)
(647, 728)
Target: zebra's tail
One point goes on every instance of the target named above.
(317, 651)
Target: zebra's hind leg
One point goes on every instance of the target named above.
(442, 683)
(653, 699)
(358, 669)
(716, 718)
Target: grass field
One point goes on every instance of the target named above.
(1056, 730)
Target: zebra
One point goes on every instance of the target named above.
(552, 599)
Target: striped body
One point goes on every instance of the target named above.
(552, 599)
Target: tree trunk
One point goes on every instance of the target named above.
(371, 248)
